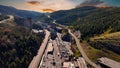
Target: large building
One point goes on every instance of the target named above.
(68, 65)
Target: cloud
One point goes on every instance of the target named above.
(34, 3)
(53, 5)
(91, 3)
(47, 10)
(103, 5)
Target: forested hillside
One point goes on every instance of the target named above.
(101, 21)
(90, 21)
(68, 16)
(107, 42)
(8, 10)
(17, 46)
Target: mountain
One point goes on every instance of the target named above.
(99, 27)
(64, 16)
(89, 20)
(19, 13)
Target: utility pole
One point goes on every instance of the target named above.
(30, 24)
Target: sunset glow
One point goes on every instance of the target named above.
(53, 5)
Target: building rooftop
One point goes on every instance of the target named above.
(108, 62)
(68, 65)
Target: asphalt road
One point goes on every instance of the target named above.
(79, 46)
(81, 62)
(36, 60)
(56, 52)
(82, 51)
(11, 18)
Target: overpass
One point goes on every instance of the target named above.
(37, 59)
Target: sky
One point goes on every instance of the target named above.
(54, 5)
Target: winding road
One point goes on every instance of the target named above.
(82, 51)
(11, 18)
(79, 47)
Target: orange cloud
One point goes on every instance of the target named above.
(33, 3)
(47, 10)
(51, 5)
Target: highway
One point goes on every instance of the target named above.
(82, 51)
(81, 62)
(56, 54)
(36, 60)
(52, 56)
(80, 47)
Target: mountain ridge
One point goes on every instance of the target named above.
(9, 10)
